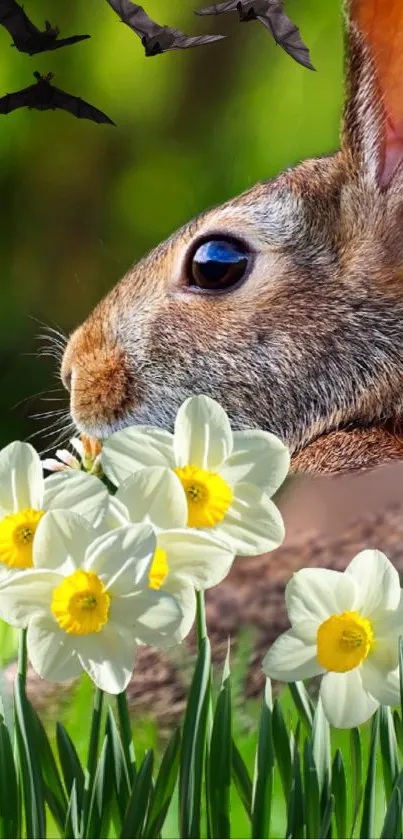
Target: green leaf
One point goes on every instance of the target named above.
(282, 748)
(392, 825)
(139, 800)
(390, 762)
(241, 778)
(311, 793)
(321, 746)
(71, 767)
(220, 760)
(72, 826)
(27, 750)
(397, 722)
(193, 745)
(339, 791)
(325, 827)
(356, 774)
(54, 791)
(164, 787)
(119, 767)
(368, 810)
(9, 799)
(295, 809)
(264, 770)
(303, 704)
(101, 796)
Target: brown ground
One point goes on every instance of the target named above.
(328, 520)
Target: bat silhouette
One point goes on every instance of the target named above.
(45, 97)
(274, 18)
(26, 36)
(156, 38)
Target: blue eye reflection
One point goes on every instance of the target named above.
(218, 264)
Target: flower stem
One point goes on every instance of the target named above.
(201, 626)
(22, 655)
(126, 734)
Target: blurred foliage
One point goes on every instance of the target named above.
(81, 202)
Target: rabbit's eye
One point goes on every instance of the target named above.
(217, 265)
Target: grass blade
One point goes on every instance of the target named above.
(282, 749)
(264, 769)
(311, 793)
(72, 826)
(164, 787)
(241, 778)
(139, 800)
(220, 759)
(9, 799)
(32, 783)
(390, 762)
(339, 792)
(101, 797)
(118, 765)
(303, 704)
(321, 746)
(392, 825)
(71, 767)
(54, 791)
(193, 745)
(295, 810)
(356, 774)
(368, 811)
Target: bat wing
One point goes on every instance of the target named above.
(63, 42)
(17, 23)
(182, 41)
(78, 107)
(219, 8)
(286, 34)
(19, 99)
(135, 17)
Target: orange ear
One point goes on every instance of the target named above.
(380, 25)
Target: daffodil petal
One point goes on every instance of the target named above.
(51, 651)
(108, 657)
(253, 524)
(153, 616)
(122, 558)
(78, 492)
(21, 479)
(313, 595)
(26, 595)
(377, 580)
(290, 659)
(131, 449)
(203, 435)
(346, 703)
(117, 515)
(203, 558)
(61, 541)
(383, 686)
(184, 593)
(156, 495)
(259, 458)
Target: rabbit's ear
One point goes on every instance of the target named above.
(373, 120)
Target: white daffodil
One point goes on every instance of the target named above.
(228, 477)
(345, 625)
(25, 496)
(185, 559)
(87, 601)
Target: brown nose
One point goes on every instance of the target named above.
(95, 371)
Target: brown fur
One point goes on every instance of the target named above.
(310, 346)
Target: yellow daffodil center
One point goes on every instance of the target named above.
(208, 496)
(159, 569)
(344, 641)
(81, 604)
(16, 537)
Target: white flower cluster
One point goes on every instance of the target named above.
(90, 575)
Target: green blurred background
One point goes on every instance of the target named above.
(80, 202)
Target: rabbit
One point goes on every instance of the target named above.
(286, 303)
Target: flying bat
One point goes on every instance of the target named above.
(156, 38)
(45, 97)
(26, 36)
(274, 18)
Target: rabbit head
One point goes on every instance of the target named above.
(286, 303)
